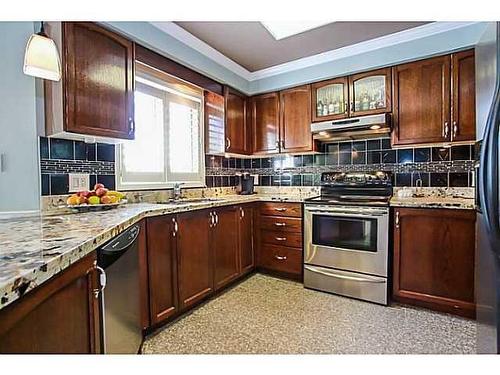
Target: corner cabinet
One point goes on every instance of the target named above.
(360, 94)
(95, 96)
(434, 100)
(434, 259)
(60, 316)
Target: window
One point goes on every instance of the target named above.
(168, 144)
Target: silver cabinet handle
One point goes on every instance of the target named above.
(280, 224)
(344, 277)
(446, 129)
(280, 238)
(455, 129)
(102, 281)
(228, 143)
(351, 109)
(346, 108)
(397, 219)
(176, 227)
(131, 125)
(242, 213)
(277, 145)
(279, 257)
(211, 219)
(280, 209)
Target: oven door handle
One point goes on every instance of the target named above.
(345, 214)
(344, 277)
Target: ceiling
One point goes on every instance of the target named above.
(250, 44)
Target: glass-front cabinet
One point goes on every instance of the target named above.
(360, 94)
(370, 92)
(330, 99)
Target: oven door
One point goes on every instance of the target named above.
(347, 238)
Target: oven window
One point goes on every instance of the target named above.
(345, 232)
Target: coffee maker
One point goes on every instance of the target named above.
(245, 184)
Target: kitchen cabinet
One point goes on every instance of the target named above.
(225, 244)
(370, 92)
(295, 120)
(265, 123)
(215, 141)
(162, 268)
(463, 109)
(246, 237)
(96, 94)
(59, 316)
(280, 239)
(434, 259)
(434, 100)
(194, 257)
(238, 130)
(330, 99)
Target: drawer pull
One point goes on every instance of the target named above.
(278, 257)
(280, 209)
(280, 238)
(280, 224)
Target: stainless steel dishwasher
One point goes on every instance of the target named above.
(121, 318)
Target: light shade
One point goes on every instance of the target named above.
(41, 58)
(282, 29)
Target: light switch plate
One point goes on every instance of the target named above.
(78, 182)
(255, 179)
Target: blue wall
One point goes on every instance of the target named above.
(19, 183)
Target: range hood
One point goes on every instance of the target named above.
(352, 128)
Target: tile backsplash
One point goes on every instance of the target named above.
(433, 166)
(59, 157)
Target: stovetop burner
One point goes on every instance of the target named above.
(354, 188)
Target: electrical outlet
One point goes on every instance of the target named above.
(255, 179)
(78, 182)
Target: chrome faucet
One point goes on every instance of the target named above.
(177, 190)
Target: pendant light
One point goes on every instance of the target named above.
(41, 58)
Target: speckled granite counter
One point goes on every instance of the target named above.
(453, 198)
(35, 248)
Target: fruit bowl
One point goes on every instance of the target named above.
(95, 207)
(98, 199)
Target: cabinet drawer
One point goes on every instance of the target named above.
(281, 209)
(281, 224)
(281, 238)
(281, 258)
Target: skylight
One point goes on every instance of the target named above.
(282, 29)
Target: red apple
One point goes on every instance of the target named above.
(83, 199)
(101, 192)
(98, 186)
(105, 199)
(84, 193)
(91, 193)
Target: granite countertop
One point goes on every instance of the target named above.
(434, 202)
(35, 248)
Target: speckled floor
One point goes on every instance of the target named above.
(268, 315)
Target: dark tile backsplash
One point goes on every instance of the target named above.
(59, 157)
(433, 166)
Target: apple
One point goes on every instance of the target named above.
(91, 193)
(100, 192)
(106, 200)
(82, 199)
(84, 193)
(98, 186)
(94, 200)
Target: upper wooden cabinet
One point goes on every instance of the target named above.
(215, 141)
(238, 137)
(434, 259)
(361, 94)
(265, 123)
(96, 93)
(295, 120)
(434, 100)
(330, 99)
(463, 108)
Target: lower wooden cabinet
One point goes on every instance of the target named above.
(61, 316)
(224, 242)
(434, 259)
(246, 237)
(162, 268)
(194, 257)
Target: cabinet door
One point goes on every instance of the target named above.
(295, 119)
(370, 92)
(237, 135)
(265, 118)
(99, 81)
(330, 99)
(422, 102)
(60, 316)
(194, 258)
(246, 228)
(225, 246)
(464, 95)
(434, 259)
(215, 140)
(162, 266)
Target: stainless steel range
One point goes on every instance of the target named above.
(346, 235)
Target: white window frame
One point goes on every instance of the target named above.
(167, 184)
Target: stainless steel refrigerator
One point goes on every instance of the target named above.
(487, 194)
